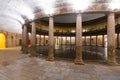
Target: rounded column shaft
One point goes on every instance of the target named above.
(33, 40)
(44, 40)
(90, 40)
(96, 40)
(117, 40)
(40, 40)
(51, 40)
(118, 20)
(85, 41)
(78, 59)
(24, 40)
(111, 39)
(103, 40)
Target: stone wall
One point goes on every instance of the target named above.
(12, 39)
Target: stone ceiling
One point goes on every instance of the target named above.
(13, 13)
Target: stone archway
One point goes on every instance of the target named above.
(2, 40)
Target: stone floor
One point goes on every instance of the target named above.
(9, 55)
(27, 68)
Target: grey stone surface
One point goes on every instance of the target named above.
(33, 68)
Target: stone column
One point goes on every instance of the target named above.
(78, 59)
(96, 40)
(40, 40)
(57, 41)
(111, 39)
(51, 39)
(33, 40)
(70, 42)
(118, 43)
(24, 39)
(85, 41)
(103, 40)
(7, 43)
(117, 40)
(90, 39)
(62, 41)
(85, 38)
(66, 41)
(44, 40)
(118, 20)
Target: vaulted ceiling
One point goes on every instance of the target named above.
(13, 13)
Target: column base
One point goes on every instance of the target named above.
(24, 50)
(32, 56)
(79, 61)
(50, 59)
(112, 63)
(50, 54)
(33, 51)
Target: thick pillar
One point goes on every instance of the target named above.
(96, 40)
(51, 39)
(33, 40)
(78, 59)
(85, 38)
(66, 41)
(40, 40)
(57, 41)
(111, 39)
(118, 43)
(61, 41)
(70, 42)
(103, 40)
(118, 20)
(118, 40)
(24, 39)
(90, 40)
(85, 41)
(44, 40)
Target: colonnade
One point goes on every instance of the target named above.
(96, 42)
(78, 40)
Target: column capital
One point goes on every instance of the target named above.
(22, 26)
(50, 15)
(78, 14)
(32, 23)
(111, 13)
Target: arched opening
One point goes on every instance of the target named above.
(2, 41)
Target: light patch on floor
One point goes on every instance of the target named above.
(8, 55)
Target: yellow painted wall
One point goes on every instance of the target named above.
(2, 41)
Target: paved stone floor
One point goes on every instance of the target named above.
(9, 55)
(28, 68)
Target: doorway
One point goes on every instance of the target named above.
(2, 41)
